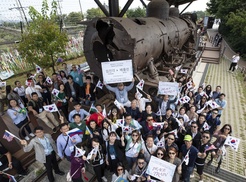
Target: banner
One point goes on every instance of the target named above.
(117, 71)
(168, 88)
(161, 169)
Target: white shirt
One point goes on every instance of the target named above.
(20, 90)
(235, 59)
(30, 90)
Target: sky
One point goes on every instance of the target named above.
(9, 12)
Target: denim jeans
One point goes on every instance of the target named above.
(186, 172)
(131, 161)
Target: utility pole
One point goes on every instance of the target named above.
(20, 6)
(59, 6)
(81, 10)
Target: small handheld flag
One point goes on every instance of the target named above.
(55, 92)
(8, 137)
(138, 95)
(158, 112)
(233, 142)
(118, 105)
(211, 147)
(205, 126)
(99, 84)
(2, 84)
(140, 84)
(38, 68)
(186, 158)
(214, 105)
(184, 71)
(49, 81)
(184, 99)
(79, 152)
(50, 108)
(73, 132)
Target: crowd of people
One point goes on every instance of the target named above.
(125, 138)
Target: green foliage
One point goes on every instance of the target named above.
(74, 18)
(137, 12)
(233, 21)
(93, 13)
(42, 40)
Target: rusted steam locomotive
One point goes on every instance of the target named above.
(157, 43)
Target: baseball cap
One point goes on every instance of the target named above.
(187, 138)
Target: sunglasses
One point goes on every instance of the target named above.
(207, 137)
(134, 135)
(160, 154)
(170, 138)
(121, 169)
(227, 129)
(215, 113)
(141, 163)
(193, 126)
(171, 153)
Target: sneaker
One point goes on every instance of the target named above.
(104, 179)
(32, 135)
(217, 170)
(27, 138)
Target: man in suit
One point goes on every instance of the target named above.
(72, 89)
(45, 151)
(195, 134)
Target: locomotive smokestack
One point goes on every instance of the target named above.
(174, 12)
(158, 9)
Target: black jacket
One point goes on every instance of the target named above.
(77, 89)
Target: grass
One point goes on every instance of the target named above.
(22, 78)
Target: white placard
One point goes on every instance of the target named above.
(161, 169)
(168, 88)
(117, 71)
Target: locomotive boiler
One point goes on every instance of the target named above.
(156, 44)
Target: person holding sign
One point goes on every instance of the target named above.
(173, 159)
(121, 93)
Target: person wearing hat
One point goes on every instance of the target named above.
(189, 154)
(88, 93)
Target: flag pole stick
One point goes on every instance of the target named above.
(13, 135)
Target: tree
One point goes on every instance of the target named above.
(43, 40)
(135, 13)
(229, 12)
(93, 13)
(74, 17)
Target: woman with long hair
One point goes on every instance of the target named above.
(45, 89)
(11, 94)
(19, 117)
(98, 159)
(114, 115)
(221, 136)
(133, 147)
(107, 127)
(160, 153)
(173, 159)
(95, 132)
(120, 173)
(63, 76)
(62, 100)
(148, 111)
(114, 151)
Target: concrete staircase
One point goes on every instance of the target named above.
(211, 55)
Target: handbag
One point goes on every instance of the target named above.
(69, 177)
